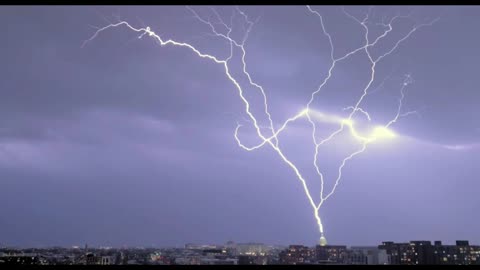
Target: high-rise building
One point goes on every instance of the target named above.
(356, 256)
(423, 252)
(461, 253)
(297, 254)
(367, 255)
(398, 252)
(331, 254)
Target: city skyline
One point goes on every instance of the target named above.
(110, 139)
(387, 253)
(86, 246)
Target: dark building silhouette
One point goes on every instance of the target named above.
(21, 260)
(246, 260)
(461, 253)
(90, 259)
(356, 257)
(331, 254)
(297, 254)
(423, 252)
(366, 255)
(213, 251)
(396, 251)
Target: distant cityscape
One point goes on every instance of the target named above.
(387, 253)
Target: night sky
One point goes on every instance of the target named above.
(124, 142)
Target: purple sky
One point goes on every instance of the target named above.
(124, 142)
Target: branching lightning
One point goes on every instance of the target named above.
(272, 139)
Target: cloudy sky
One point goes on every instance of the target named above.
(124, 142)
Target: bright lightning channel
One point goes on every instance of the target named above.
(379, 132)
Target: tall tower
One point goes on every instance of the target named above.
(323, 240)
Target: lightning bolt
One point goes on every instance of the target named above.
(272, 138)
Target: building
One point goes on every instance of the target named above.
(231, 248)
(297, 254)
(214, 252)
(398, 253)
(199, 247)
(256, 249)
(331, 254)
(246, 260)
(461, 253)
(191, 260)
(23, 259)
(107, 260)
(90, 259)
(423, 252)
(216, 261)
(356, 256)
(367, 255)
(252, 260)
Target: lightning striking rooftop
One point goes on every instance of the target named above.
(272, 137)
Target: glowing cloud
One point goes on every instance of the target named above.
(383, 133)
(377, 132)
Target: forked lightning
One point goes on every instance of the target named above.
(272, 138)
